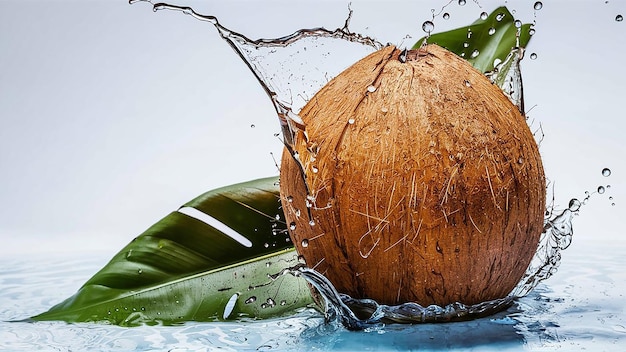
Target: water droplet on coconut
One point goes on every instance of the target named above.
(290, 199)
(384, 110)
(314, 169)
(351, 121)
(520, 160)
(292, 226)
(538, 5)
(606, 172)
(312, 223)
(305, 243)
(427, 27)
(601, 189)
(467, 84)
(574, 204)
(446, 16)
(499, 17)
(462, 2)
(475, 53)
(484, 15)
(619, 18)
(491, 31)
(371, 89)
(533, 56)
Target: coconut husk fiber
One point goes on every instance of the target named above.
(416, 180)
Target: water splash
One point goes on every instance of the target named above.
(291, 69)
(292, 75)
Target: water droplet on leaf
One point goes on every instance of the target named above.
(491, 31)
(499, 17)
(484, 15)
(475, 53)
(252, 299)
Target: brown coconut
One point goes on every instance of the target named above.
(423, 182)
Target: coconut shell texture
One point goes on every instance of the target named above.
(423, 182)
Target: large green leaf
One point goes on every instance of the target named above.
(183, 268)
(486, 41)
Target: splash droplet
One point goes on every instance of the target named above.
(606, 172)
(427, 27)
(533, 56)
(601, 189)
(446, 16)
(538, 5)
(252, 126)
(518, 23)
(574, 204)
(462, 2)
(619, 18)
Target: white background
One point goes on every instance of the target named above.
(111, 116)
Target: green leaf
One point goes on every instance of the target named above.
(183, 269)
(491, 39)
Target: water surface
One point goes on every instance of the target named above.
(581, 307)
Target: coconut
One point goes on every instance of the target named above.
(416, 180)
